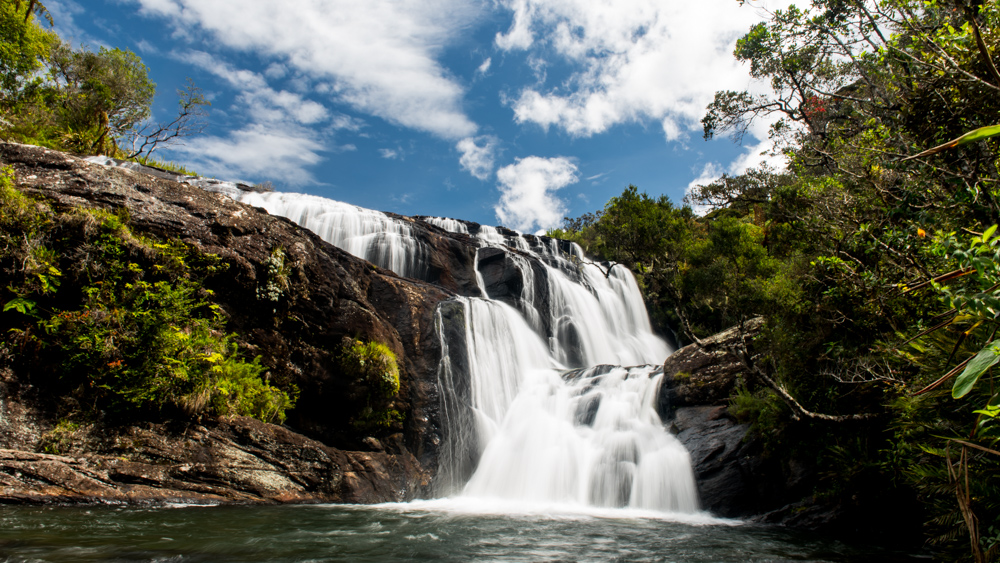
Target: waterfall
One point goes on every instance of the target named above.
(450, 225)
(522, 426)
(367, 234)
(535, 404)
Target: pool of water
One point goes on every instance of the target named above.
(466, 530)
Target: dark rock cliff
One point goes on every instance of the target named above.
(331, 295)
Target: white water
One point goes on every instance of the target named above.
(450, 225)
(367, 234)
(518, 427)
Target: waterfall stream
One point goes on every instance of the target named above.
(535, 404)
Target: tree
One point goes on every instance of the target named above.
(145, 139)
(638, 229)
(105, 94)
(24, 50)
(859, 87)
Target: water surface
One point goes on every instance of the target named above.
(424, 531)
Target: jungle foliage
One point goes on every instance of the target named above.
(118, 325)
(873, 260)
(373, 370)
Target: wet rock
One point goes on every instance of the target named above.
(502, 277)
(725, 458)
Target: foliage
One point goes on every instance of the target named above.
(24, 50)
(375, 372)
(276, 273)
(59, 439)
(120, 322)
(102, 94)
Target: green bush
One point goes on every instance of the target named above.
(375, 373)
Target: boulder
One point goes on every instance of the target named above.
(735, 476)
(706, 373)
(735, 479)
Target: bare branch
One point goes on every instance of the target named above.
(191, 110)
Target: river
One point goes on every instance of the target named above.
(445, 530)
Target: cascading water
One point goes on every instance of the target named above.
(367, 234)
(450, 225)
(535, 407)
(520, 426)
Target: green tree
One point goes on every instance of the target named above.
(24, 51)
(103, 94)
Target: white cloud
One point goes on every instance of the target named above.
(259, 151)
(527, 187)
(378, 55)
(633, 60)
(389, 154)
(276, 71)
(477, 160)
(261, 102)
(346, 122)
(485, 67)
(519, 36)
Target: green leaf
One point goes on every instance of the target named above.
(21, 305)
(971, 136)
(984, 360)
(989, 232)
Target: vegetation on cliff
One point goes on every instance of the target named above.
(374, 371)
(118, 324)
(873, 262)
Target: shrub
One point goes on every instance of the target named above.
(375, 373)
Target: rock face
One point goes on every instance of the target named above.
(242, 461)
(704, 374)
(331, 295)
(735, 478)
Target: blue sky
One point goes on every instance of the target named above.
(512, 112)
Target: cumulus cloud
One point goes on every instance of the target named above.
(379, 56)
(389, 154)
(633, 60)
(527, 188)
(477, 160)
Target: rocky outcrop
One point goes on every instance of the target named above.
(705, 373)
(738, 477)
(330, 295)
(735, 476)
(236, 461)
